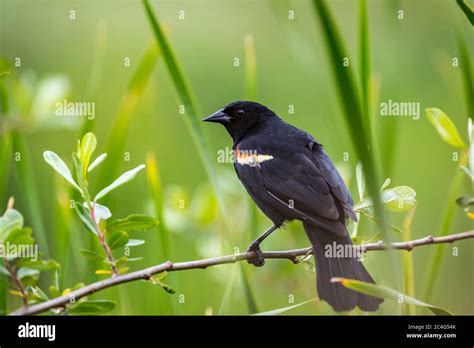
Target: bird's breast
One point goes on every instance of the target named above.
(250, 157)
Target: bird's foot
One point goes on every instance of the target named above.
(258, 260)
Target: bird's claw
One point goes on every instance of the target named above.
(258, 260)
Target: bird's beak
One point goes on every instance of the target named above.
(219, 117)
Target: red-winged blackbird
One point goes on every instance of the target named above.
(290, 177)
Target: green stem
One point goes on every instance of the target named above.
(407, 259)
(29, 190)
(11, 269)
(102, 241)
(433, 271)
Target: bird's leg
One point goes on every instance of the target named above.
(258, 260)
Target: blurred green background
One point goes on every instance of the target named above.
(82, 59)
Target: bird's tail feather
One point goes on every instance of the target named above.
(327, 267)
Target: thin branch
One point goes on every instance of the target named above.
(147, 273)
(14, 275)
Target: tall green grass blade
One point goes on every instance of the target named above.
(96, 73)
(448, 217)
(387, 131)
(250, 68)
(165, 247)
(249, 296)
(154, 182)
(364, 64)
(467, 76)
(65, 232)
(117, 140)
(352, 111)
(190, 104)
(6, 140)
(285, 309)
(29, 191)
(387, 293)
(407, 260)
(250, 94)
(5, 161)
(228, 289)
(467, 10)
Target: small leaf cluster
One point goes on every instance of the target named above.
(450, 134)
(397, 199)
(96, 218)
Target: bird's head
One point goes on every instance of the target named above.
(240, 116)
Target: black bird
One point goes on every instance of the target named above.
(290, 177)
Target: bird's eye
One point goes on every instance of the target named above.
(240, 112)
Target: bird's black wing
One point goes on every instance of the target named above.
(299, 181)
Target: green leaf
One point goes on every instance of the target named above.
(11, 220)
(91, 255)
(135, 242)
(85, 217)
(122, 179)
(469, 169)
(24, 272)
(81, 181)
(120, 262)
(156, 280)
(117, 239)
(20, 236)
(385, 184)
(101, 212)
(96, 162)
(4, 271)
(134, 222)
(40, 265)
(134, 259)
(445, 127)
(39, 295)
(399, 199)
(86, 149)
(58, 165)
(78, 286)
(54, 291)
(285, 309)
(92, 307)
(465, 202)
(387, 293)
